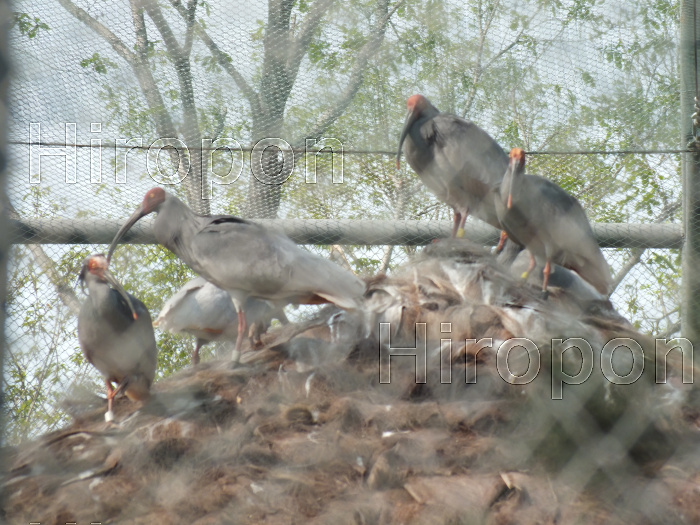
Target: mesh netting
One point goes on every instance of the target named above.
(276, 83)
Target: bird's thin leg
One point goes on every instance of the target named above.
(455, 223)
(501, 242)
(545, 279)
(531, 267)
(111, 394)
(236, 357)
(195, 354)
(109, 415)
(462, 220)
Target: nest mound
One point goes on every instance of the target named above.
(308, 430)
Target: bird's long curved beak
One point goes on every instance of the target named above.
(118, 287)
(513, 166)
(125, 228)
(410, 118)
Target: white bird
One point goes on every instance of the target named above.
(205, 311)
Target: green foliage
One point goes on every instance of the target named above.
(480, 60)
(29, 26)
(98, 63)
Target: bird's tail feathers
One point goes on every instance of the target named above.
(597, 273)
(138, 388)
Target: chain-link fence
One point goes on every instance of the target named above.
(112, 98)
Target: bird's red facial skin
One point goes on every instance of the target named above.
(415, 103)
(97, 266)
(152, 199)
(517, 154)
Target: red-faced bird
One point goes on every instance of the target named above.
(115, 334)
(551, 224)
(245, 259)
(457, 160)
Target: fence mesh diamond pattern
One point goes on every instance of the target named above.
(290, 112)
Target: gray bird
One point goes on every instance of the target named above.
(205, 311)
(457, 160)
(115, 334)
(245, 259)
(551, 224)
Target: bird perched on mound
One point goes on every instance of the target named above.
(551, 224)
(245, 259)
(205, 311)
(115, 334)
(457, 160)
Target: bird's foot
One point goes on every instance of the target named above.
(524, 275)
(460, 233)
(109, 416)
(544, 294)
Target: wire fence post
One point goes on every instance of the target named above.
(5, 21)
(690, 169)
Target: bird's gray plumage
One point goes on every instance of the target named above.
(457, 160)
(121, 348)
(245, 259)
(550, 223)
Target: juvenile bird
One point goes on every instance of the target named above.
(115, 334)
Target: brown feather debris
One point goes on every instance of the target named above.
(305, 431)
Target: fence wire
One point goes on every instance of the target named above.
(149, 90)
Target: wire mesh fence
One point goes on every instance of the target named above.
(291, 110)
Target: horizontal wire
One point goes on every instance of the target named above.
(358, 151)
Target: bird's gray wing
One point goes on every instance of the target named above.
(266, 264)
(312, 273)
(568, 225)
(464, 147)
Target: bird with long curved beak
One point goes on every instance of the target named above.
(115, 334)
(245, 259)
(551, 224)
(457, 160)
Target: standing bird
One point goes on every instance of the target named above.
(115, 334)
(245, 259)
(456, 159)
(551, 224)
(205, 311)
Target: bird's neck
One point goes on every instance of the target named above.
(175, 227)
(100, 294)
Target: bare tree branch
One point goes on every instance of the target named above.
(63, 289)
(138, 62)
(673, 329)
(636, 253)
(191, 132)
(223, 59)
(120, 47)
(189, 34)
(306, 33)
(368, 51)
